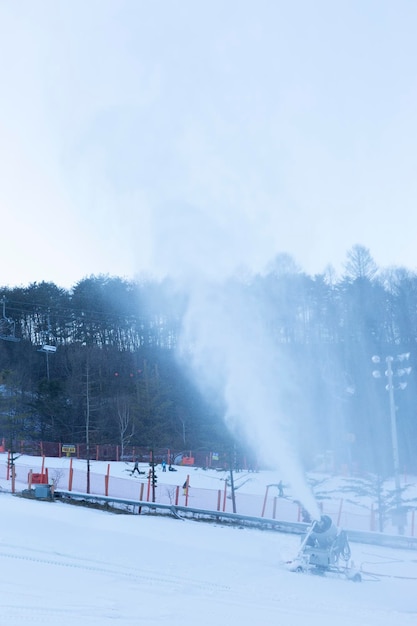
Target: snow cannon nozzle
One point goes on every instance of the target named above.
(323, 524)
(323, 530)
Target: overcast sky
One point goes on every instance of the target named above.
(135, 135)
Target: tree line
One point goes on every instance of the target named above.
(98, 363)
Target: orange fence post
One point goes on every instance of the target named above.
(372, 520)
(340, 512)
(70, 475)
(264, 505)
(224, 495)
(30, 479)
(43, 465)
(106, 480)
(187, 486)
(142, 486)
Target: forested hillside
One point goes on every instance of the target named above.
(100, 361)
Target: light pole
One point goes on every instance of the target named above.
(47, 350)
(389, 373)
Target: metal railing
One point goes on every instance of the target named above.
(182, 512)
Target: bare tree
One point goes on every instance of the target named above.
(125, 422)
(360, 263)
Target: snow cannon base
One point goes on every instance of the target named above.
(325, 549)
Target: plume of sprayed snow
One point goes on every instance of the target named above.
(232, 355)
(224, 338)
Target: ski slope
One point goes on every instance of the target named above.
(66, 565)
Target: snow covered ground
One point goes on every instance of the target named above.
(63, 564)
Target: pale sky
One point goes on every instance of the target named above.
(135, 135)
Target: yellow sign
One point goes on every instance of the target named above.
(68, 449)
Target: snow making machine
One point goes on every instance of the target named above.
(325, 549)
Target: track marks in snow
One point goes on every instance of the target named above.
(133, 574)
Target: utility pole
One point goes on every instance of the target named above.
(87, 425)
(232, 482)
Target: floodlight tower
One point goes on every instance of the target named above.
(389, 373)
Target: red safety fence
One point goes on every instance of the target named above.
(345, 514)
(114, 452)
